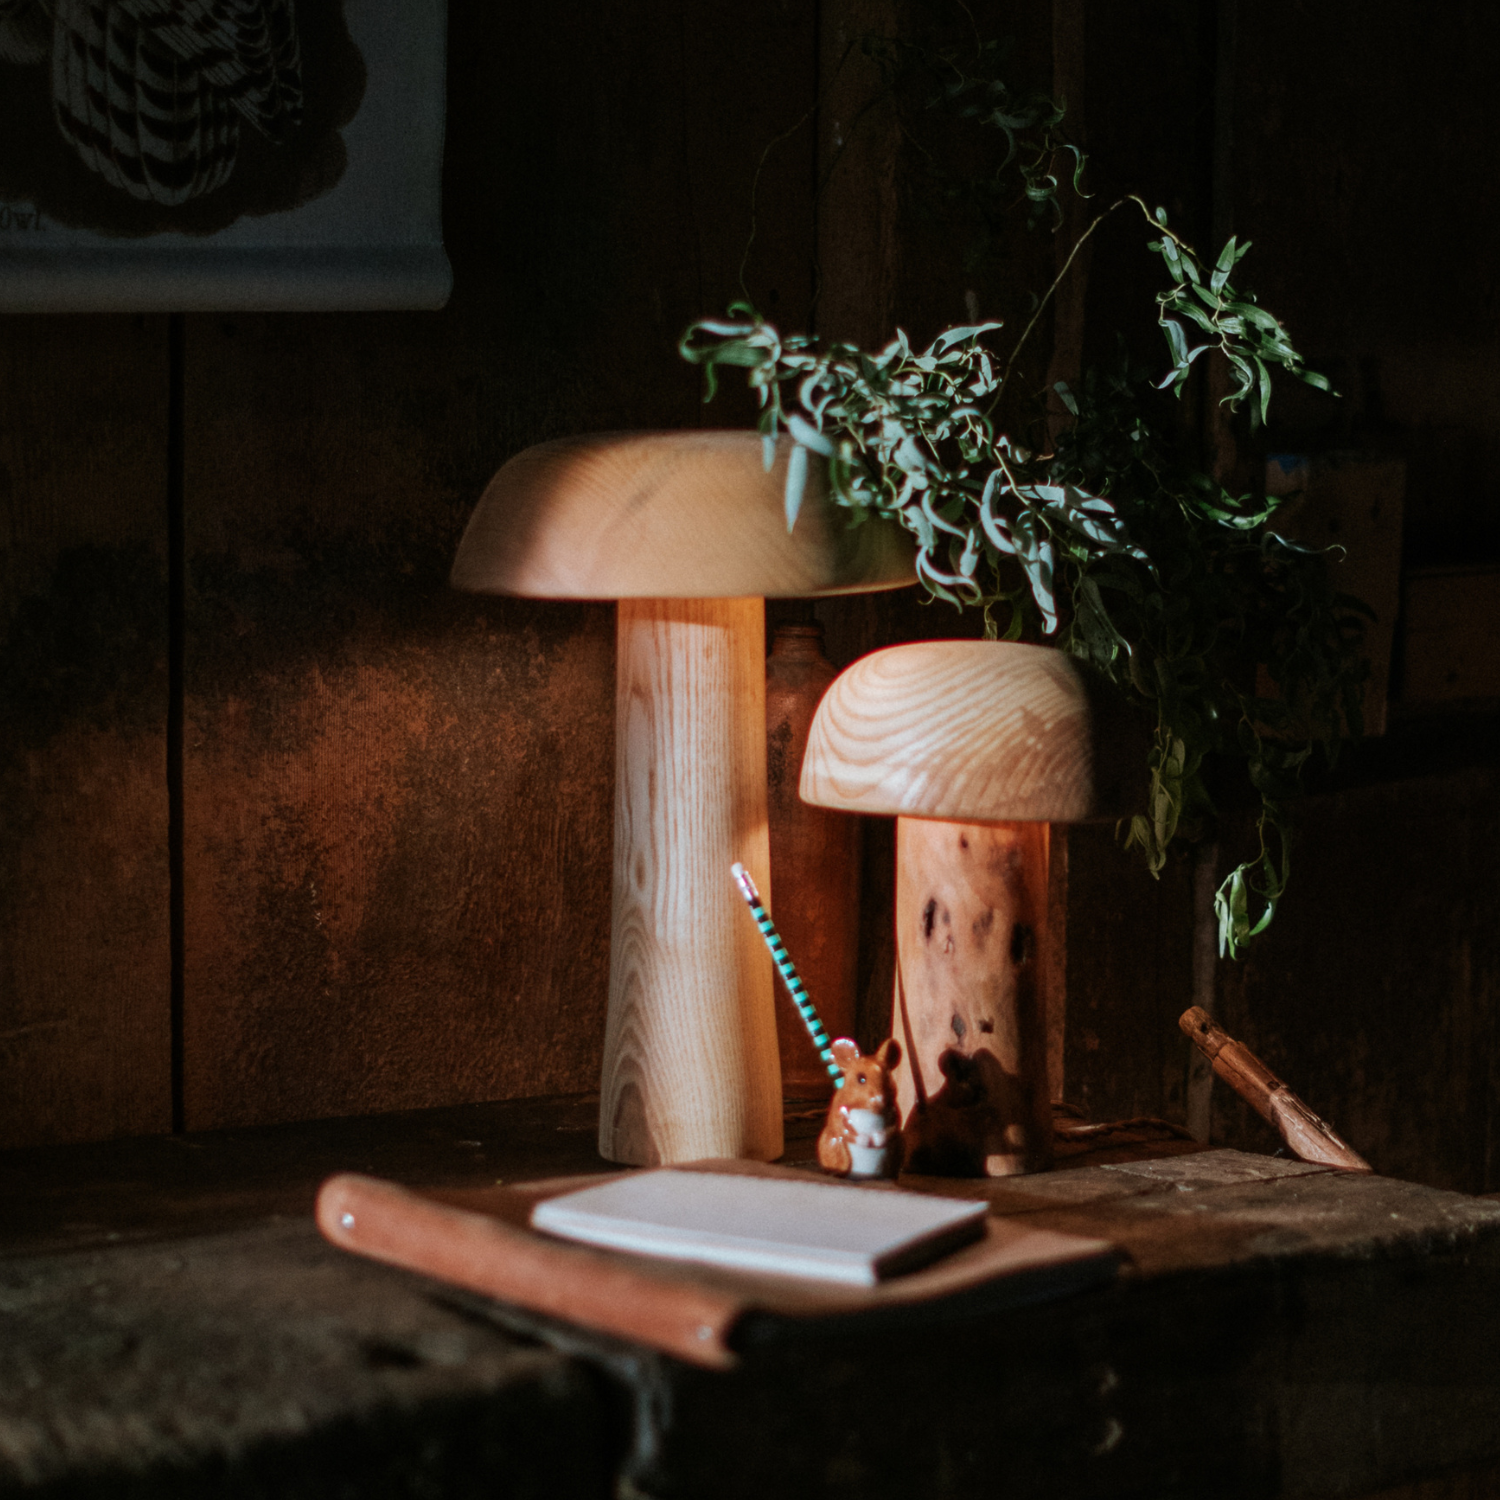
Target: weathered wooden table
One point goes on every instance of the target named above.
(171, 1324)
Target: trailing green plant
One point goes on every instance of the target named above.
(972, 89)
(1110, 543)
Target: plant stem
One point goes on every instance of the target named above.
(755, 186)
(1067, 266)
(1057, 281)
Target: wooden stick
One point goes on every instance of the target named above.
(1309, 1137)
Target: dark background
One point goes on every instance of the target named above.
(288, 829)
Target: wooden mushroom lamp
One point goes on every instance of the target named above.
(975, 746)
(687, 530)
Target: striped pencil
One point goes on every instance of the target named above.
(788, 971)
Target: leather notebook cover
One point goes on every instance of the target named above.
(482, 1240)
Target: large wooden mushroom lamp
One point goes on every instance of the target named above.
(975, 746)
(688, 531)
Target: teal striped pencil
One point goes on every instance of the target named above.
(788, 971)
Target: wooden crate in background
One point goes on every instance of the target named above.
(1351, 504)
(1451, 641)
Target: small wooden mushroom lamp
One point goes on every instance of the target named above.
(975, 746)
(688, 531)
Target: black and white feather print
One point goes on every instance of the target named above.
(25, 31)
(151, 94)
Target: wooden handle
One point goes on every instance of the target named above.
(1310, 1137)
(401, 1228)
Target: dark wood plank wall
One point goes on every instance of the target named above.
(85, 1034)
(1375, 992)
(1378, 992)
(1129, 938)
(396, 800)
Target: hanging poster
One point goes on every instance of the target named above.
(198, 155)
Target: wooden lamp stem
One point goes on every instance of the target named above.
(971, 901)
(690, 1053)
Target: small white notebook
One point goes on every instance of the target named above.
(769, 1224)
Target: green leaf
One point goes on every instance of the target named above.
(1264, 376)
(1227, 258)
(964, 335)
(796, 483)
(805, 435)
(1112, 542)
(1256, 316)
(1080, 161)
(1195, 314)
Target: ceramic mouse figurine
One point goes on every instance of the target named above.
(862, 1135)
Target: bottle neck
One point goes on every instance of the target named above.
(798, 642)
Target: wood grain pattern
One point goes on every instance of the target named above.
(1053, 959)
(672, 515)
(85, 1034)
(1373, 1303)
(397, 851)
(690, 1056)
(968, 730)
(969, 1007)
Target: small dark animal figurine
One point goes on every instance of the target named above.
(862, 1136)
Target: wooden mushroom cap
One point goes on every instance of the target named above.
(973, 732)
(668, 515)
